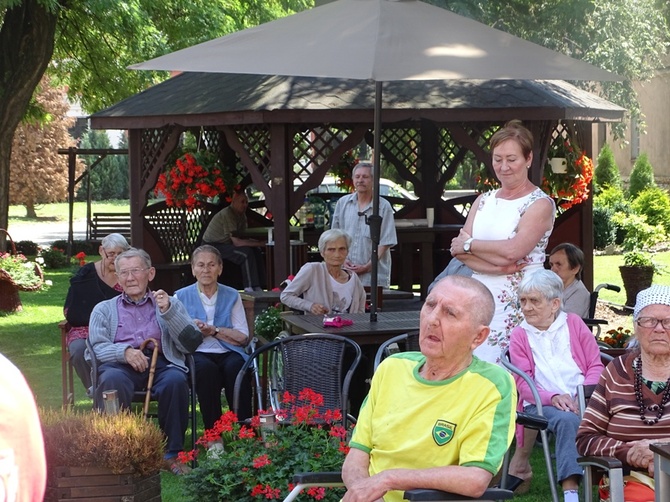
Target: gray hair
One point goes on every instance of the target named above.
(206, 248)
(545, 282)
(332, 235)
(133, 253)
(654, 295)
(483, 307)
(363, 163)
(115, 241)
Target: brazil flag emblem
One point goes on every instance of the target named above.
(443, 431)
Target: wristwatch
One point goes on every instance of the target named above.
(467, 245)
(216, 331)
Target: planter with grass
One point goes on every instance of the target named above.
(637, 273)
(95, 456)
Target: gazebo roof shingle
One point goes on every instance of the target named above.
(190, 97)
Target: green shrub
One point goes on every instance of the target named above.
(90, 248)
(606, 173)
(614, 200)
(654, 203)
(26, 248)
(604, 228)
(54, 257)
(641, 177)
(639, 233)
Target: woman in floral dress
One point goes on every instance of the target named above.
(506, 232)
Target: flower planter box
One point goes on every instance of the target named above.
(101, 485)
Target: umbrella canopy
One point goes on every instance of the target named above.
(379, 40)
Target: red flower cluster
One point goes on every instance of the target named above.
(256, 463)
(189, 184)
(81, 256)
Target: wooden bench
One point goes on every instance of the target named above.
(103, 224)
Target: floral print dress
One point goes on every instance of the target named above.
(498, 219)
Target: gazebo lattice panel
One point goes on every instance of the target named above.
(178, 229)
(315, 143)
(152, 143)
(256, 141)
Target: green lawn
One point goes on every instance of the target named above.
(60, 211)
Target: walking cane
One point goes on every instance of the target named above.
(152, 371)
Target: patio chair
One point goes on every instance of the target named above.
(596, 466)
(322, 362)
(506, 361)
(67, 370)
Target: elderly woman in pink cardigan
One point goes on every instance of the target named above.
(559, 352)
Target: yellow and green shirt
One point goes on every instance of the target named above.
(410, 422)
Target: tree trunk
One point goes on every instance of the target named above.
(30, 210)
(26, 46)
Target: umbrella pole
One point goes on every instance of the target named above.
(375, 221)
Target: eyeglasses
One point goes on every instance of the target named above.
(652, 322)
(131, 271)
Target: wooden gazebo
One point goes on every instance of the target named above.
(283, 134)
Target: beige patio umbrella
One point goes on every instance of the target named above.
(378, 40)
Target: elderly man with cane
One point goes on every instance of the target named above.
(117, 331)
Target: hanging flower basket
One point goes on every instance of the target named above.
(567, 174)
(194, 179)
(16, 274)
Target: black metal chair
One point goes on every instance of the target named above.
(400, 343)
(140, 396)
(322, 362)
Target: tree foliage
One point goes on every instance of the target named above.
(39, 175)
(627, 37)
(108, 179)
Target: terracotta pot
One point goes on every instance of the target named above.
(635, 279)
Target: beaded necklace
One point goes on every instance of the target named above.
(658, 408)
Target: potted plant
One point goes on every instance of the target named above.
(258, 460)
(637, 273)
(94, 455)
(17, 273)
(617, 340)
(268, 324)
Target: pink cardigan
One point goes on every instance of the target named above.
(585, 353)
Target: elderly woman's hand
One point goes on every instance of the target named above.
(565, 402)
(640, 455)
(318, 309)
